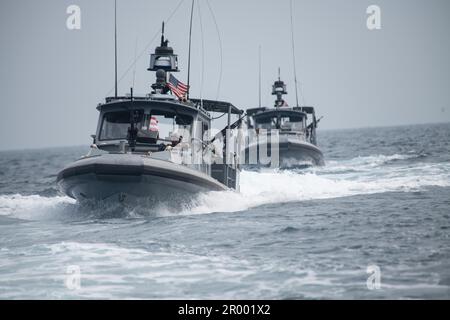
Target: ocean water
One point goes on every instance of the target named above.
(383, 199)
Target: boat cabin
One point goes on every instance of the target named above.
(149, 125)
(165, 128)
(287, 120)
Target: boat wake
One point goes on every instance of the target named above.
(357, 176)
(290, 186)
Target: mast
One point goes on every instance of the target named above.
(279, 89)
(293, 56)
(115, 49)
(163, 60)
(259, 80)
(189, 52)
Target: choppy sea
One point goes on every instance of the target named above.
(381, 201)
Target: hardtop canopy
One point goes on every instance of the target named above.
(137, 103)
(275, 112)
(217, 106)
(194, 105)
(257, 111)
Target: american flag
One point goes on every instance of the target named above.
(153, 124)
(177, 87)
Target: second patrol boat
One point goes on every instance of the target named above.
(295, 130)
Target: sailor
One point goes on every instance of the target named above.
(175, 138)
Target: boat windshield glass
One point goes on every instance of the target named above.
(282, 122)
(154, 126)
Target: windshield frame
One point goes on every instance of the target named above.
(181, 111)
(277, 115)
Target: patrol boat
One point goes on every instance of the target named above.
(289, 139)
(152, 146)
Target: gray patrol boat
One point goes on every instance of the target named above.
(295, 130)
(145, 145)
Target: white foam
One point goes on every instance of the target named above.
(289, 186)
(32, 206)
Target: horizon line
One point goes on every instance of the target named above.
(27, 148)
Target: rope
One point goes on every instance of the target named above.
(218, 117)
(220, 47)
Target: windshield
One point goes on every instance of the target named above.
(282, 122)
(154, 126)
(115, 125)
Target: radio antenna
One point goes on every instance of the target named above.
(259, 80)
(293, 55)
(115, 49)
(135, 54)
(189, 52)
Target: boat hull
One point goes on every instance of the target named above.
(127, 176)
(292, 153)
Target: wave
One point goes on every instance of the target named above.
(32, 206)
(101, 266)
(367, 163)
(357, 176)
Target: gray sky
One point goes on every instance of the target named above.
(52, 78)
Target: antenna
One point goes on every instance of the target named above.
(115, 49)
(189, 52)
(293, 55)
(135, 53)
(279, 74)
(203, 53)
(259, 66)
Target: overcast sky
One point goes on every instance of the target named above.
(52, 78)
